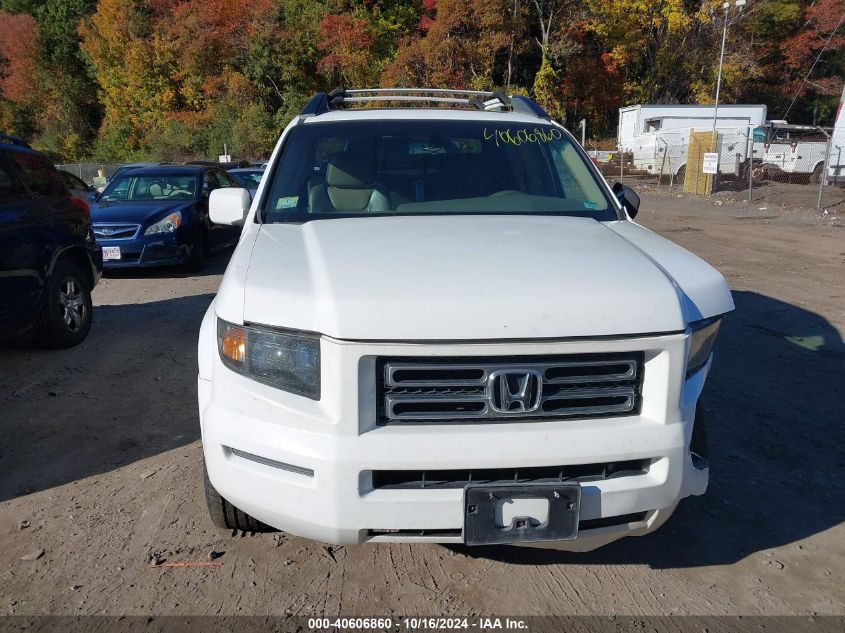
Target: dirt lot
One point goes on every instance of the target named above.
(100, 457)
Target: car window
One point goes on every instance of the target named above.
(248, 178)
(133, 188)
(425, 166)
(9, 190)
(209, 182)
(39, 176)
(225, 179)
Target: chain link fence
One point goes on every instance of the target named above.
(90, 172)
(798, 171)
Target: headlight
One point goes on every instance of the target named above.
(702, 336)
(290, 362)
(166, 225)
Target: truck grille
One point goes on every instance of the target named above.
(459, 478)
(115, 231)
(504, 389)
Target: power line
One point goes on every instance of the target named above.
(807, 76)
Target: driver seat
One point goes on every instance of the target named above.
(349, 187)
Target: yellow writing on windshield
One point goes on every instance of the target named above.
(518, 137)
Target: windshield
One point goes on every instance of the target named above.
(248, 178)
(439, 167)
(150, 187)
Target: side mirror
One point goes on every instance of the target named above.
(92, 197)
(628, 198)
(229, 206)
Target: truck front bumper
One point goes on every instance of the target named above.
(306, 467)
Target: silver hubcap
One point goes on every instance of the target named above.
(72, 305)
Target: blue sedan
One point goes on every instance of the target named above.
(158, 216)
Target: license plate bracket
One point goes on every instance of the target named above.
(483, 506)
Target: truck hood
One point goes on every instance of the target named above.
(469, 278)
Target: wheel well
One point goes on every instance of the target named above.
(77, 256)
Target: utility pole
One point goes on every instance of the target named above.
(726, 6)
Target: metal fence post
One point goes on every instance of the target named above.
(621, 164)
(749, 156)
(663, 161)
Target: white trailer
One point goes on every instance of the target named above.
(657, 136)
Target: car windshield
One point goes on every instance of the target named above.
(431, 167)
(130, 188)
(248, 178)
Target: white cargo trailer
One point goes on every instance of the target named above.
(657, 136)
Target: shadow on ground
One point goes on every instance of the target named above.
(775, 413)
(128, 392)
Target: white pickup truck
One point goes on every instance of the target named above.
(442, 325)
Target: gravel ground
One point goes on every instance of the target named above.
(100, 466)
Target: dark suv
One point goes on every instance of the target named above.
(49, 260)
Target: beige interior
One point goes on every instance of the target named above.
(349, 187)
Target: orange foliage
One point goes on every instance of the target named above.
(800, 50)
(19, 49)
(346, 40)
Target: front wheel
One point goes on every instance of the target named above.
(816, 176)
(225, 515)
(679, 177)
(65, 318)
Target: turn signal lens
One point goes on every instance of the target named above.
(701, 340)
(232, 340)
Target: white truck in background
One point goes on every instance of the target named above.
(787, 151)
(657, 136)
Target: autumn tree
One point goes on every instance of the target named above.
(18, 65)
(460, 47)
(171, 79)
(346, 42)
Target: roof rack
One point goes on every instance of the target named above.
(488, 100)
(8, 139)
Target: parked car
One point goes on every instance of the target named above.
(158, 216)
(49, 261)
(443, 325)
(247, 177)
(77, 186)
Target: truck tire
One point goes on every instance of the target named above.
(816, 176)
(679, 177)
(225, 515)
(65, 318)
